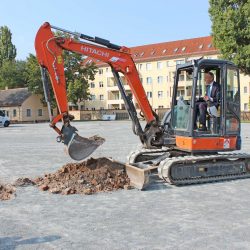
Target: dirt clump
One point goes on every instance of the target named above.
(7, 191)
(23, 182)
(88, 177)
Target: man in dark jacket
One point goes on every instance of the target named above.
(212, 98)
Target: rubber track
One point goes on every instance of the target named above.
(166, 165)
(169, 162)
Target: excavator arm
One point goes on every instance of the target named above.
(49, 50)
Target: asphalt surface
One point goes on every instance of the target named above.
(208, 216)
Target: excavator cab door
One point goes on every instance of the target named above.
(232, 101)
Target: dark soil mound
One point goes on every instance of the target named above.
(23, 182)
(88, 177)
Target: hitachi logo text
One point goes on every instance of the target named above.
(94, 51)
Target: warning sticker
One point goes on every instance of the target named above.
(59, 59)
(226, 143)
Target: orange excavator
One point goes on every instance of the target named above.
(173, 147)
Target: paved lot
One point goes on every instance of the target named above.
(210, 216)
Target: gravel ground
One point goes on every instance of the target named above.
(209, 216)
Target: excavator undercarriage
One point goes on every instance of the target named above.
(178, 168)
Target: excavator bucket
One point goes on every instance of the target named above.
(79, 147)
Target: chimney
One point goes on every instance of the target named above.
(6, 87)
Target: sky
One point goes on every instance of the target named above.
(128, 23)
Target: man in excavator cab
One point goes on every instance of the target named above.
(209, 103)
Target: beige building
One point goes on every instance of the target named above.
(156, 64)
(22, 106)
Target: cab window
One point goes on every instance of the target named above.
(181, 112)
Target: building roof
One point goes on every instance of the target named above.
(13, 97)
(167, 50)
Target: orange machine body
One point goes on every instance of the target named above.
(216, 144)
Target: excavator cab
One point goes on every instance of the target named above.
(222, 120)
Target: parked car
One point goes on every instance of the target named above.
(4, 119)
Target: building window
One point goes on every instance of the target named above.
(92, 97)
(93, 109)
(92, 85)
(160, 79)
(100, 71)
(171, 76)
(178, 62)
(148, 66)
(140, 66)
(107, 69)
(101, 97)
(149, 94)
(101, 84)
(159, 65)
(28, 112)
(245, 90)
(40, 112)
(245, 106)
(116, 96)
(160, 94)
(167, 63)
(167, 78)
(141, 80)
(181, 77)
(149, 80)
(14, 112)
(101, 108)
(180, 92)
(160, 107)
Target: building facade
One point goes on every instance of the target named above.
(156, 64)
(20, 105)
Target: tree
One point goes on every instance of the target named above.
(34, 80)
(7, 49)
(231, 30)
(77, 77)
(11, 71)
(12, 74)
(77, 91)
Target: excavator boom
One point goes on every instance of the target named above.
(49, 49)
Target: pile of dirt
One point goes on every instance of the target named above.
(7, 191)
(88, 177)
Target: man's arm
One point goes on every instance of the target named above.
(216, 98)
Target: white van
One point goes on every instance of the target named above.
(4, 119)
